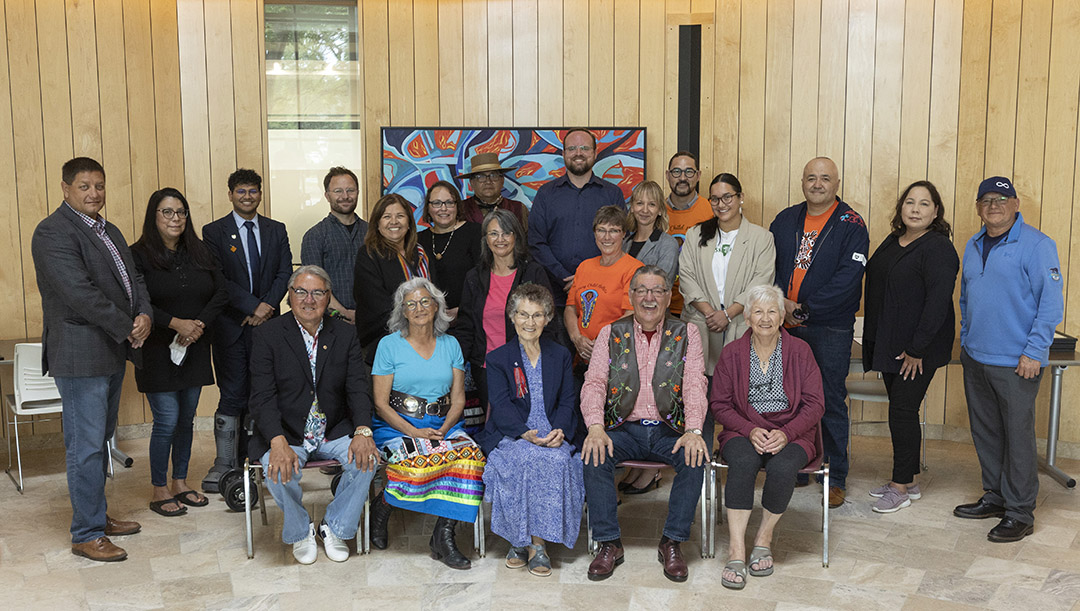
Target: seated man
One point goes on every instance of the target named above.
(663, 357)
(311, 399)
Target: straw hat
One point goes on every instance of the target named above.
(484, 162)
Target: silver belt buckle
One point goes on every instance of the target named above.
(432, 409)
(645, 422)
(412, 406)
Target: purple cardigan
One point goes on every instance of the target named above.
(729, 398)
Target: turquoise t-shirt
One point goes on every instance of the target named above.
(413, 374)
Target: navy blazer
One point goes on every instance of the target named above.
(509, 413)
(227, 244)
(282, 389)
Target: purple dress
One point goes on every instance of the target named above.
(534, 491)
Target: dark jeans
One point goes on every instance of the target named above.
(780, 470)
(174, 416)
(91, 406)
(905, 399)
(832, 351)
(633, 441)
(1001, 407)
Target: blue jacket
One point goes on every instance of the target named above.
(1011, 307)
(832, 287)
(509, 413)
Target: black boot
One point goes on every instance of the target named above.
(443, 546)
(380, 517)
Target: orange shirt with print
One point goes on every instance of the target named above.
(679, 221)
(812, 227)
(601, 294)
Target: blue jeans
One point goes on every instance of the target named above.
(174, 415)
(634, 441)
(91, 405)
(832, 351)
(342, 514)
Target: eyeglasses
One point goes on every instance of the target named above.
(679, 172)
(726, 198)
(642, 291)
(303, 294)
(424, 302)
(498, 235)
(608, 231)
(585, 148)
(988, 202)
(488, 176)
(445, 203)
(169, 213)
(534, 317)
(340, 192)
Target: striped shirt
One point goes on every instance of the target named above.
(98, 225)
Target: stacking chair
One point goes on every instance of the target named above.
(35, 394)
(716, 499)
(873, 390)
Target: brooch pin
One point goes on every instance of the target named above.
(232, 249)
(232, 237)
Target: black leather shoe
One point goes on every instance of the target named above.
(1009, 530)
(380, 517)
(979, 510)
(444, 548)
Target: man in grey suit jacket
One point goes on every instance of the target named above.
(96, 313)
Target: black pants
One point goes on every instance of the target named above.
(780, 470)
(905, 398)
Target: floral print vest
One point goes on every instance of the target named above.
(624, 380)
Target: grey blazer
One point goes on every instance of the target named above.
(661, 250)
(87, 313)
(753, 262)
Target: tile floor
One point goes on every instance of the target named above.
(918, 558)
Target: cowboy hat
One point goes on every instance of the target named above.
(484, 162)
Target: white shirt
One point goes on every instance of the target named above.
(243, 240)
(721, 257)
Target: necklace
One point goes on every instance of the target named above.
(438, 255)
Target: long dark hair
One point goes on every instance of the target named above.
(712, 225)
(153, 247)
(939, 224)
(376, 244)
(454, 195)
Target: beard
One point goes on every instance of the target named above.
(579, 167)
(682, 188)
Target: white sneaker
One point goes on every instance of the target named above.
(306, 550)
(336, 549)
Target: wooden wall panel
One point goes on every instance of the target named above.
(677, 12)
(402, 62)
(13, 321)
(247, 79)
(375, 38)
(142, 131)
(83, 73)
(575, 25)
(859, 106)
(602, 62)
(56, 96)
(526, 64)
(885, 142)
(778, 93)
(627, 63)
(1031, 104)
(451, 50)
(805, 80)
(1002, 87)
(701, 14)
(918, 46)
(500, 50)
(752, 109)
(168, 118)
(426, 64)
(194, 113)
(726, 87)
(549, 42)
(651, 90)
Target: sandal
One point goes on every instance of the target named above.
(517, 557)
(192, 498)
(158, 507)
(540, 563)
(739, 568)
(757, 556)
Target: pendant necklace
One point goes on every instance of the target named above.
(438, 255)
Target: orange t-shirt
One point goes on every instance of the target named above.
(679, 221)
(812, 227)
(601, 294)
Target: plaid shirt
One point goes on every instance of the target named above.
(99, 228)
(331, 246)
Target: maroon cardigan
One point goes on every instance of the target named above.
(729, 398)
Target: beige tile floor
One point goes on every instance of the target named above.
(918, 558)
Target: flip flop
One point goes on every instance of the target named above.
(757, 556)
(158, 508)
(190, 497)
(739, 567)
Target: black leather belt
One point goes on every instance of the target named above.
(418, 407)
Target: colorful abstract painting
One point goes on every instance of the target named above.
(414, 158)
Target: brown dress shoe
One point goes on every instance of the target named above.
(609, 557)
(100, 549)
(836, 497)
(671, 556)
(119, 528)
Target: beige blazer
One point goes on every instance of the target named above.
(753, 262)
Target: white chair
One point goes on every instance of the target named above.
(873, 390)
(35, 394)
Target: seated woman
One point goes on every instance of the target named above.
(418, 384)
(767, 395)
(534, 485)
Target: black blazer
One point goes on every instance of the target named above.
(469, 328)
(281, 386)
(182, 291)
(87, 313)
(509, 413)
(375, 279)
(227, 243)
(909, 305)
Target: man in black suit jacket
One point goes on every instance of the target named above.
(256, 260)
(96, 313)
(311, 399)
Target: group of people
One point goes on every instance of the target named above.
(594, 336)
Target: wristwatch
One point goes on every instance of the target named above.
(694, 431)
(362, 431)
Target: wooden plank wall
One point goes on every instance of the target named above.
(893, 90)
